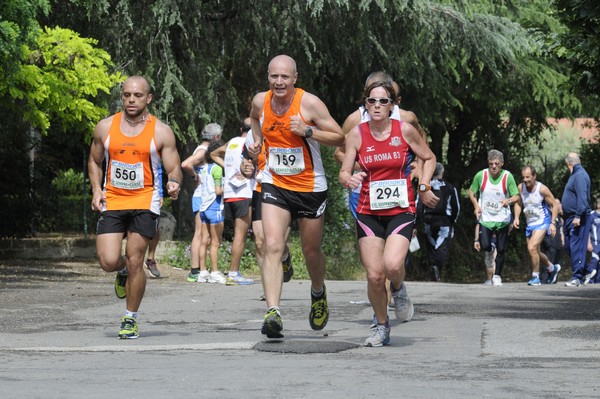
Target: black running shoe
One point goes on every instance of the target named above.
(152, 268)
(288, 269)
(272, 325)
(120, 282)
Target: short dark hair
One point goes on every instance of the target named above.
(531, 168)
(386, 84)
(211, 147)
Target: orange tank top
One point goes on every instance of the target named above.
(132, 167)
(292, 162)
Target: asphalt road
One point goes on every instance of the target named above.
(59, 324)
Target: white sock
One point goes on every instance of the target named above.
(276, 308)
(129, 313)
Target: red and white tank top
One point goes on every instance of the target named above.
(387, 188)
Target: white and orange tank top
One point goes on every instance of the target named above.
(292, 162)
(387, 188)
(132, 167)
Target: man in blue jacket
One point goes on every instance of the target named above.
(576, 212)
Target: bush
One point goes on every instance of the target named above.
(67, 214)
(181, 257)
(69, 182)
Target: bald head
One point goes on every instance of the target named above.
(135, 96)
(572, 158)
(139, 81)
(283, 61)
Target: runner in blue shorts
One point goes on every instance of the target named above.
(539, 207)
(207, 206)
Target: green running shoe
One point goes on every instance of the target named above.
(272, 325)
(120, 282)
(129, 328)
(193, 277)
(319, 311)
(288, 269)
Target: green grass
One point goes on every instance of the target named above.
(342, 261)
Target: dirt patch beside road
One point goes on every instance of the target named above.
(67, 285)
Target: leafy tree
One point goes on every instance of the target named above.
(479, 74)
(580, 46)
(18, 27)
(207, 59)
(58, 79)
(581, 41)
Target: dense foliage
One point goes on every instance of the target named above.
(581, 40)
(580, 46)
(480, 74)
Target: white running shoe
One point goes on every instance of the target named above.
(238, 279)
(380, 336)
(403, 306)
(574, 282)
(204, 276)
(589, 277)
(496, 280)
(217, 277)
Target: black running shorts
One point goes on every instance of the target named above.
(143, 222)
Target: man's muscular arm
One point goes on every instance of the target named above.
(165, 140)
(95, 163)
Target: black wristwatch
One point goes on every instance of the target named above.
(308, 132)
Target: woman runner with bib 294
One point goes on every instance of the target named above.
(384, 148)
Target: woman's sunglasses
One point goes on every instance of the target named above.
(382, 101)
